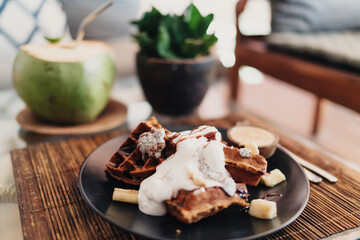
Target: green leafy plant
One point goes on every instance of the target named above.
(174, 36)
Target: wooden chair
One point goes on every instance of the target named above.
(339, 86)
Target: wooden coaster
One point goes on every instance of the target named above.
(113, 116)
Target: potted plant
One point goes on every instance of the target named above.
(174, 63)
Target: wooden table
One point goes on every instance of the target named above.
(51, 206)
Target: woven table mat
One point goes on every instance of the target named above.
(51, 206)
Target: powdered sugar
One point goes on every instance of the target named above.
(245, 152)
(152, 143)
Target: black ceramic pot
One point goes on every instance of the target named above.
(175, 87)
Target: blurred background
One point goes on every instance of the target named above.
(27, 21)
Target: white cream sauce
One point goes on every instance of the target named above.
(197, 162)
(246, 134)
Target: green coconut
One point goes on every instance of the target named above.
(65, 84)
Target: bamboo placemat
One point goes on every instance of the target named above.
(51, 206)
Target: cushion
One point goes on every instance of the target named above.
(315, 15)
(340, 49)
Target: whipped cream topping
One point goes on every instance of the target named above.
(152, 143)
(209, 132)
(198, 162)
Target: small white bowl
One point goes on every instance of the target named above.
(264, 139)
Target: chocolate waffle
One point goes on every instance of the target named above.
(245, 170)
(192, 206)
(129, 164)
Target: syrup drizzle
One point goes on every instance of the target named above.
(273, 196)
(244, 210)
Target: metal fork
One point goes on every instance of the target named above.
(312, 176)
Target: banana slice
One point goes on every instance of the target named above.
(275, 177)
(253, 147)
(125, 195)
(264, 209)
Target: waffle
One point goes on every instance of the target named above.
(245, 170)
(192, 206)
(128, 163)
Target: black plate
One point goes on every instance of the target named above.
(232, 223)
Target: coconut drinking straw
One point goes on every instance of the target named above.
(89, 18)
